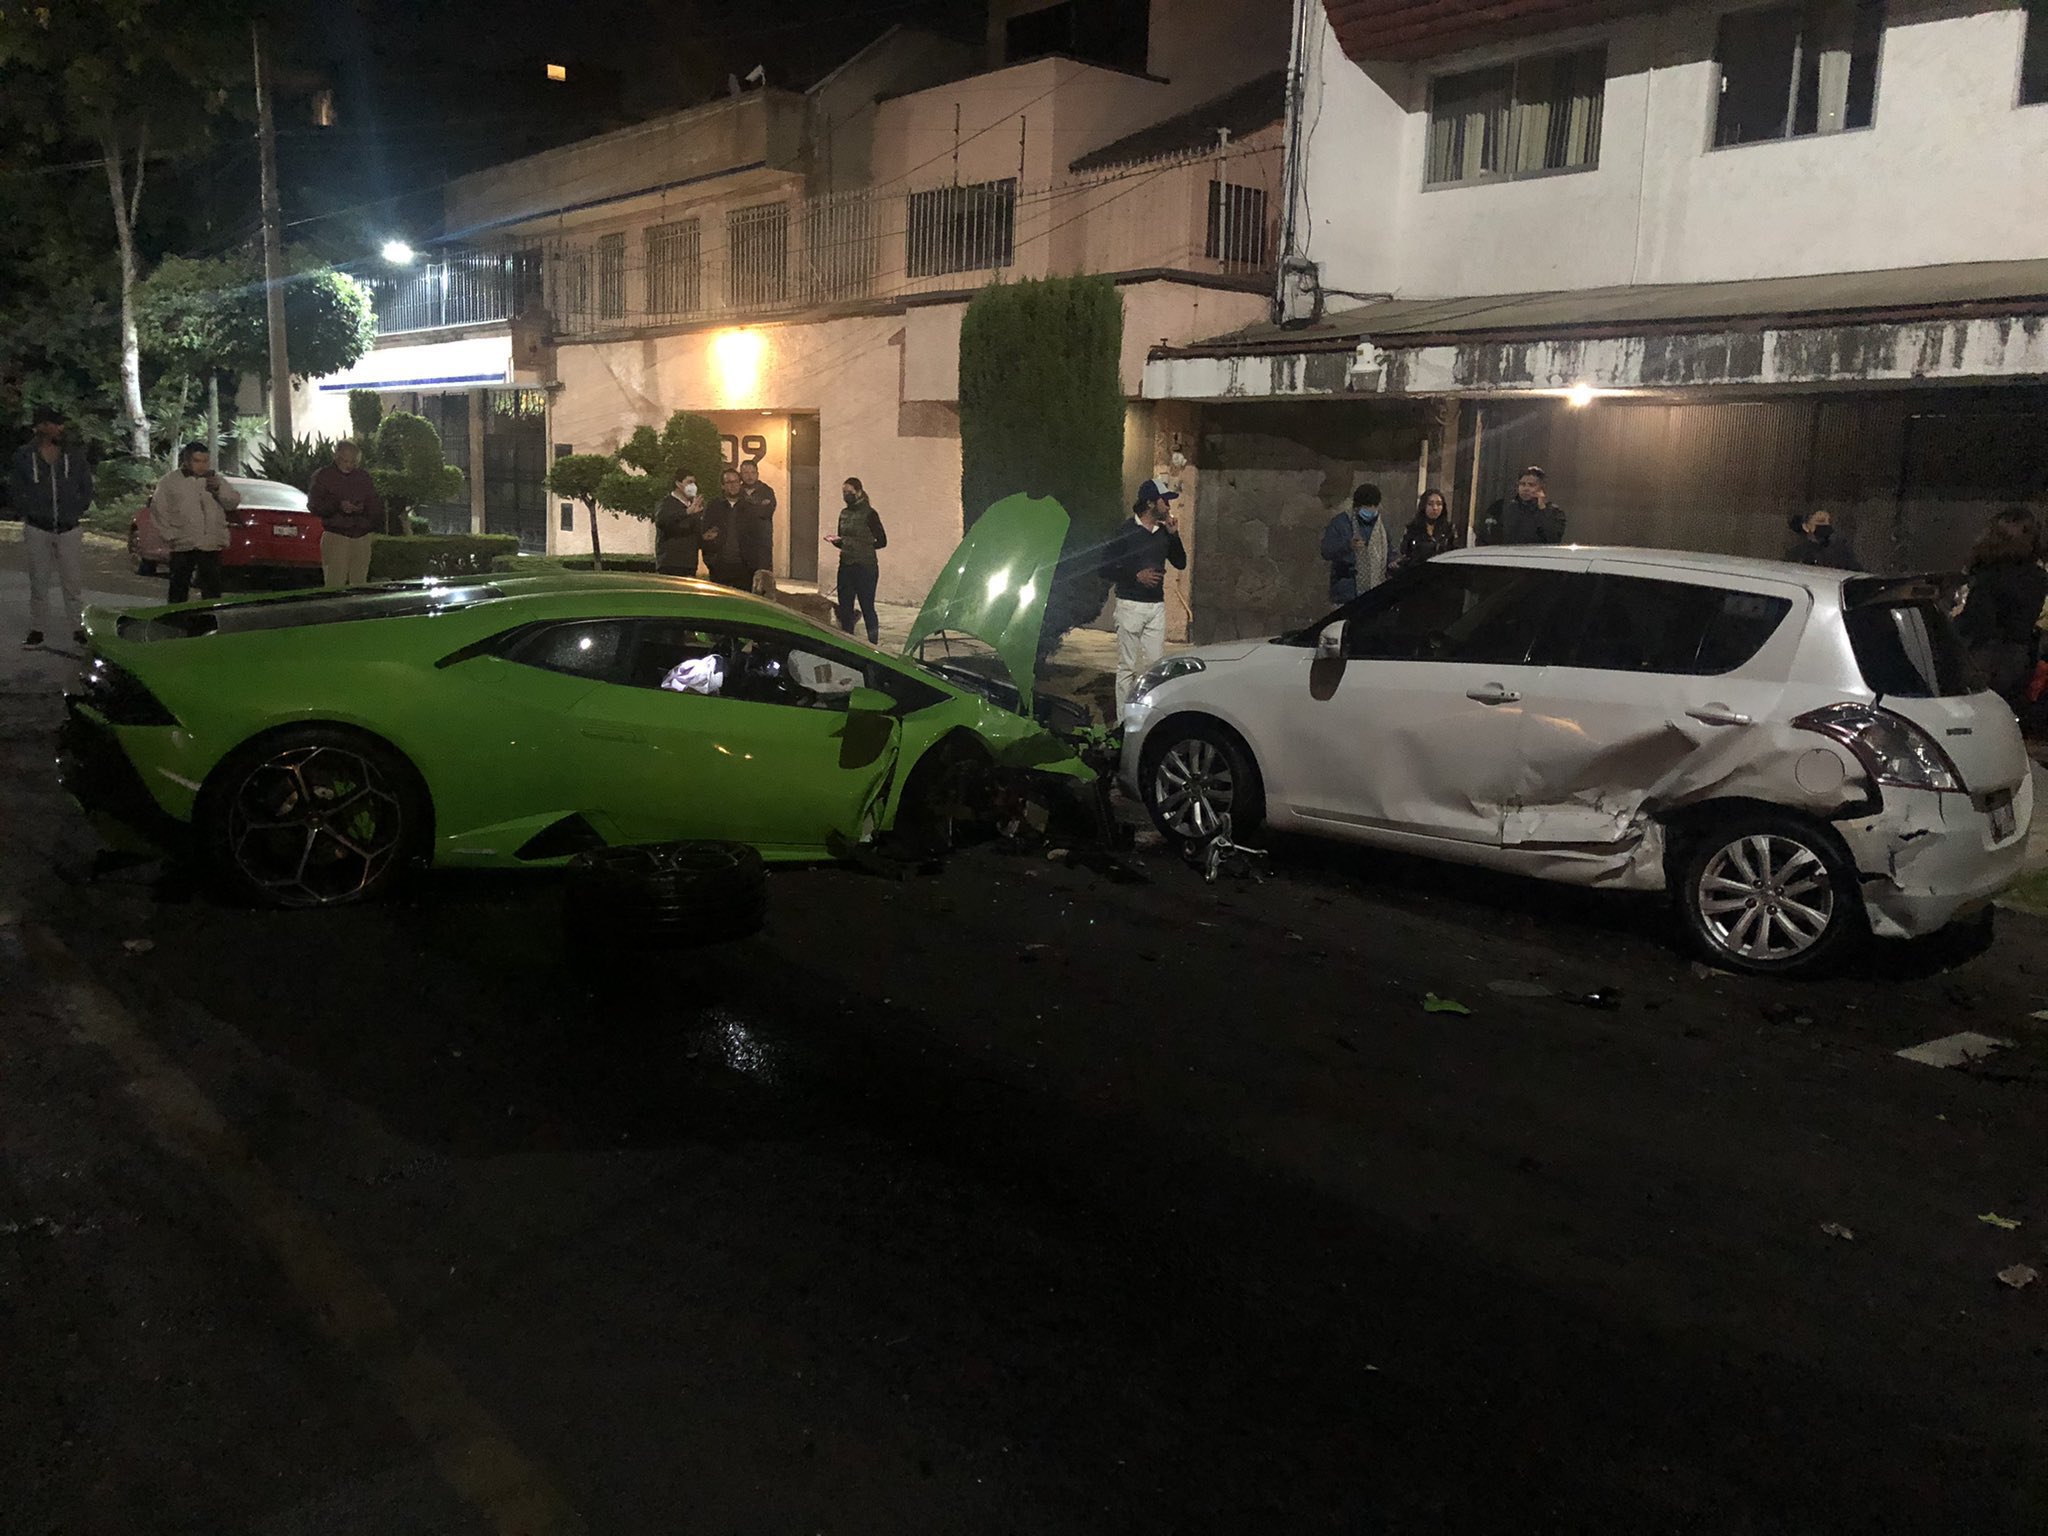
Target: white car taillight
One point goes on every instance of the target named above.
(1891, 748)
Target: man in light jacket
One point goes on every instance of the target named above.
(51, 488)
(1355, 544)
(190, 510)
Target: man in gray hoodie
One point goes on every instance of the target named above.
(50, 485)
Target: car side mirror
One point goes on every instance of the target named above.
(869, 701)
(1330, 643)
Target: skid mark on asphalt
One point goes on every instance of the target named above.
(469, 1449)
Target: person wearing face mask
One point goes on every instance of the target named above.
(679, 528)
(1355, 544)
(860, 535)
(1814, 543)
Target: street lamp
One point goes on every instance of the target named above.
(398, 253)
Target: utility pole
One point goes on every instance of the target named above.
(273, 253)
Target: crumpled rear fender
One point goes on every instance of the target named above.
(1604, 817)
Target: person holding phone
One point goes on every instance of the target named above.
(679, 527)
(1135, 562)
(859, 537)
(190, 510)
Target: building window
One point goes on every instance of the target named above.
(1795, 70)
(568, 280)
(1237, 225)
(2034, 55)
(675, 268)
(611, 277)
(963, 229)
(757, 256)
(1522, 119)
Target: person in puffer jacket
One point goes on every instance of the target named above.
(50, 486)
(190, 510)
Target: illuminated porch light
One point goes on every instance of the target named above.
(739, 356)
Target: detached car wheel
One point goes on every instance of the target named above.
(666, 894)
(1770, 894)
(314, 817)
(1196, 772)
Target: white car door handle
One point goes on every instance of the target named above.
(1493, 693)
(1718, 714)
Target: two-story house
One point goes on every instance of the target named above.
(1711, 265)
(796, 264)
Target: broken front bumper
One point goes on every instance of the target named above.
(1927, 859)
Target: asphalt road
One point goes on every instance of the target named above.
(1024, 1197)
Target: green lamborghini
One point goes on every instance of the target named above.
(313, 745)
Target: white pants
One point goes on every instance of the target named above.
(1140, 641)
(59, 556)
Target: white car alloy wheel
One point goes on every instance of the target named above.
(1193, 787)
(1765, 898)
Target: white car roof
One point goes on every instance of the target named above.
(1816, 578)
(272, 495)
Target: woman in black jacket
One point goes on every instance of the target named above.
(1429, 532)
(2002, 612)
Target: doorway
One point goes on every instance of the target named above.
(803, 498)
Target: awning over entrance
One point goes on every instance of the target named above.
(1980, 321)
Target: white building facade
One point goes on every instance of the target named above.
(1710, 264)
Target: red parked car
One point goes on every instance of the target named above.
(271, 534)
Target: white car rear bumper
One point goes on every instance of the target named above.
(1928, 859)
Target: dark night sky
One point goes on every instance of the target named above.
(428, 89)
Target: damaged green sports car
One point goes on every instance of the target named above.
(314, 745)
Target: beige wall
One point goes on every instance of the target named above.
(856, 375)
(847, 371)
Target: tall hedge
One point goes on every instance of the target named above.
(1042, 412)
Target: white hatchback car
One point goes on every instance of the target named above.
(1798, 754)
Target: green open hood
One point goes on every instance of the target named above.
(995, 585)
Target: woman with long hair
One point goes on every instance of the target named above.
(2001, 615)
(1429, 532)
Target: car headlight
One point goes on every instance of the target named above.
(1891, 748)
(1165, 672)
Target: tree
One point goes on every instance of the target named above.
(132, 82)
(405, 463)
(1042, 412)
(686, 444)
(206, 317)
(581, 477)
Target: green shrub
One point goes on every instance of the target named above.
(406, 465)
(365, 415)
(1042, 412)
(120, 486)
(438, 554)
(294, 462)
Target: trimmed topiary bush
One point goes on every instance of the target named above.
(438, 554)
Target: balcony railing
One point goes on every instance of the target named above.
(459, 288)
(1213, 213)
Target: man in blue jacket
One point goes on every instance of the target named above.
(50, 485)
